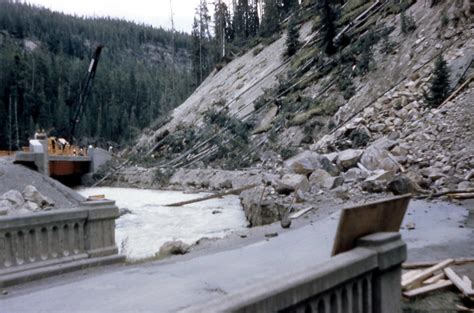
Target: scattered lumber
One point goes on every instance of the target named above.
(423, 290)
(466, 195)
(434, 279)
(465, 286)
(449, 193)
(417, 265)
(301, 213)
(420, 277)
(409, 275)
(217, 195)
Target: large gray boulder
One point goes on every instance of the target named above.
(292, 182)
(355, 174)
(384, 143)
(433, 173)
(31, 194)
(376, 158)
(174, 247)
(324, 180)
(261, 210)
(328, 166)
(304, 163)
(14, 197)
(401, 185)
(348, 158)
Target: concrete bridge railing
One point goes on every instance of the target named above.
(365, 279)
(43, 244)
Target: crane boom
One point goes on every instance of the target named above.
(85, 91)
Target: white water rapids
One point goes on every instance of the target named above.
(141, 234)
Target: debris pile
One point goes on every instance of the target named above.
(411, 147)
(418, 282)
(30, 200)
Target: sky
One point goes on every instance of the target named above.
(152, 12)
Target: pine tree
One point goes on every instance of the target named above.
(439, 88)
(289, 6)
(270, 19)
(292, 39)
(328, 18)
(222, 27)
(253, 19)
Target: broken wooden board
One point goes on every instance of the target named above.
(463, 285)
(423, 290)
(460, 196)
(417, 265)
(419, 278)
(408, 275)
(301, 213)
(358, 221)
(433, 279)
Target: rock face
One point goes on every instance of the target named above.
(173, 248)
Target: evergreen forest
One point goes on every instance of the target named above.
(44, 56)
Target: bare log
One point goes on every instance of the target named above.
(217, 195)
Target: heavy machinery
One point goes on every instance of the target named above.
(60, 146)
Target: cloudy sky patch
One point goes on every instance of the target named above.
(152, 12)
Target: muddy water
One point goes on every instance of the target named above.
(140, 234)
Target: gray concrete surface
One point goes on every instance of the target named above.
(176, 283)
(13, 176)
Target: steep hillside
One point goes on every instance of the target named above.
(345, 125)
(44, 57)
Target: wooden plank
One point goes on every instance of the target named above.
(301, 213)
(417, 279)
(416, 265)
(408, 275)
(434, 279)
(381, 216)
(217, 195)
(467, 280)
(466, 195)
(423, 290)
(451, 97)
(462, 285)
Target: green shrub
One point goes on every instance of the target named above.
(439, 88)
(407, 23)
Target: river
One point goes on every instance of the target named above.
(150, 224)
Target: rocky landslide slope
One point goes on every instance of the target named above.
(310, 141)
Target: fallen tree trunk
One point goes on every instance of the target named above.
(444, 193)
(217, 195)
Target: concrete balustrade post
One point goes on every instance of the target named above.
(391, 253)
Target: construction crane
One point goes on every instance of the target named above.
(85, 92)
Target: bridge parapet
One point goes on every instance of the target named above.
(48, 243)
(365, 279)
